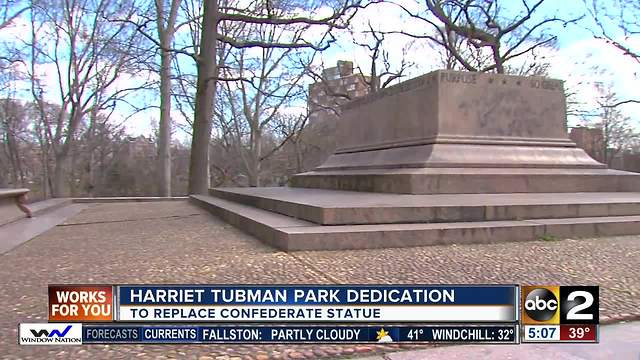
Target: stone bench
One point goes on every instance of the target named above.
(12, 205)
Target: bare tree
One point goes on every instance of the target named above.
(166, 15)
(204, 99)
(457, 46)
(617, 24)
(618, 132)
(384, 67)
(482, 35)
(13, 129)
(89, 53)
(11, 10)
(270, 80)
(382, 71)
(207, 69)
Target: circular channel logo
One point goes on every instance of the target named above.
(541, 304)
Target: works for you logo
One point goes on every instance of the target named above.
(50, 334)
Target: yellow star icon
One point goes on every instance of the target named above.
(382, 333)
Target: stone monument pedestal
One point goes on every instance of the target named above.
(445, 157)
(455, 132)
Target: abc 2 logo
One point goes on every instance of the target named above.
(554, 305)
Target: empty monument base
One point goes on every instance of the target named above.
(447, 157)
(314, 219)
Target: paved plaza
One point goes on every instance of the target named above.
(176, 242)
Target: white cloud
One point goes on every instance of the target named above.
(384, 17)
(19, 29)
(585, 63)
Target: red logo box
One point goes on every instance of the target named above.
(80, 303)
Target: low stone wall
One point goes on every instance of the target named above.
(12, 206)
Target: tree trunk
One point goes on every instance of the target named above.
(73, 185)
(253, 178)
(58, 176)
(497, 59)
(254, 172)
(90, 141)
(91, 176)
(205, 99)
(12, 152)
(296, 146)
(3, 180)
(14, 168)
(44, 158)
(164, 136)
(62, 165)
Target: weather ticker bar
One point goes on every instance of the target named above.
(187, 334)
(172, 314)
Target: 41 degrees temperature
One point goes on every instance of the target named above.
(415, 334)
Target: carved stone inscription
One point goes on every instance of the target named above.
(457, 77)
(547, 84)
(472, 78)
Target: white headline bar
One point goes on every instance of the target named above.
(291, 313)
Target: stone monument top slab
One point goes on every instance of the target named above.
(452, 106)
(459, 119)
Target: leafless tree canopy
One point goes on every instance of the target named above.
(617, 23)
(223, 86)
(619, 136)
(479, 35)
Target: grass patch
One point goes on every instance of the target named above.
(549, 237)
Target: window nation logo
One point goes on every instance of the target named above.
(50, 334)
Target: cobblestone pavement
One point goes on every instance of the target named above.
(175, 242)
(619, 341)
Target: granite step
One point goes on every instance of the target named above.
(291, 234)
(473, 180)
(118, 199)
(335, 207)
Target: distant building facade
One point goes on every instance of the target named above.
(590, 139)
(339, 85)
(627, 161)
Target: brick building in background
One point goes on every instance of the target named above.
(338, 85)
(591, 140)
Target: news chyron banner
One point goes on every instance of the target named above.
(496, 314)
(172, 314)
